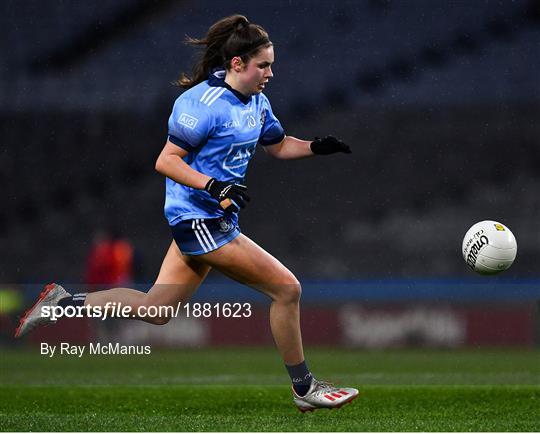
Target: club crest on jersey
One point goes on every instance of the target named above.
(188, 121)
(225, 226)
(263, 117)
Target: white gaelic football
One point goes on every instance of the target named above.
(489, 247)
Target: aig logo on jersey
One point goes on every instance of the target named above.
(188, 120)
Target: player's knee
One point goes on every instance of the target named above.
(291, 291)
(160, 320)
(295, 293)
(153, 313)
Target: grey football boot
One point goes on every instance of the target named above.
(50, 296)
(322, 394)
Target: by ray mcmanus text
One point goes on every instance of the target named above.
(109, 349)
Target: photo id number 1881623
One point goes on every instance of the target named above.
(218, 310)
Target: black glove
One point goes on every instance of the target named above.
(328, 145)
(231, 197)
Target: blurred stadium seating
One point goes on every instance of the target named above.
(440, 102)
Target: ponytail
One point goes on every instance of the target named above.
(229, 37)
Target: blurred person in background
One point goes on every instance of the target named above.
(111, 259)
(214, 129)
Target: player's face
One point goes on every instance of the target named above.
(258, 71)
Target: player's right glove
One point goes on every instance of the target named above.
(231, 196)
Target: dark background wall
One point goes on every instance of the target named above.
(440, 102)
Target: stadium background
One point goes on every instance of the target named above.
(439, 101)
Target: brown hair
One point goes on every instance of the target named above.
(229, 37)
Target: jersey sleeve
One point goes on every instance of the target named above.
(190, 124)
(272, 132)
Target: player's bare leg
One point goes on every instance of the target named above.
(179, 277)
(246, 262)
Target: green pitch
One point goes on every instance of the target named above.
(247, 390)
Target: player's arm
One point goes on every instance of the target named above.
(171, 165)
(292, 148)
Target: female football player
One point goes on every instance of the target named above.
(214, 128)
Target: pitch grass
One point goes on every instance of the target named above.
(246, 390)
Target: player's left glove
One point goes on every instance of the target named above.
(328, 145)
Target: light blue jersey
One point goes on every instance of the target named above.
(220, 128)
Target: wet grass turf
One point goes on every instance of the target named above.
(247, 390)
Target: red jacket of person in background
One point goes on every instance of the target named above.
(110, 262)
